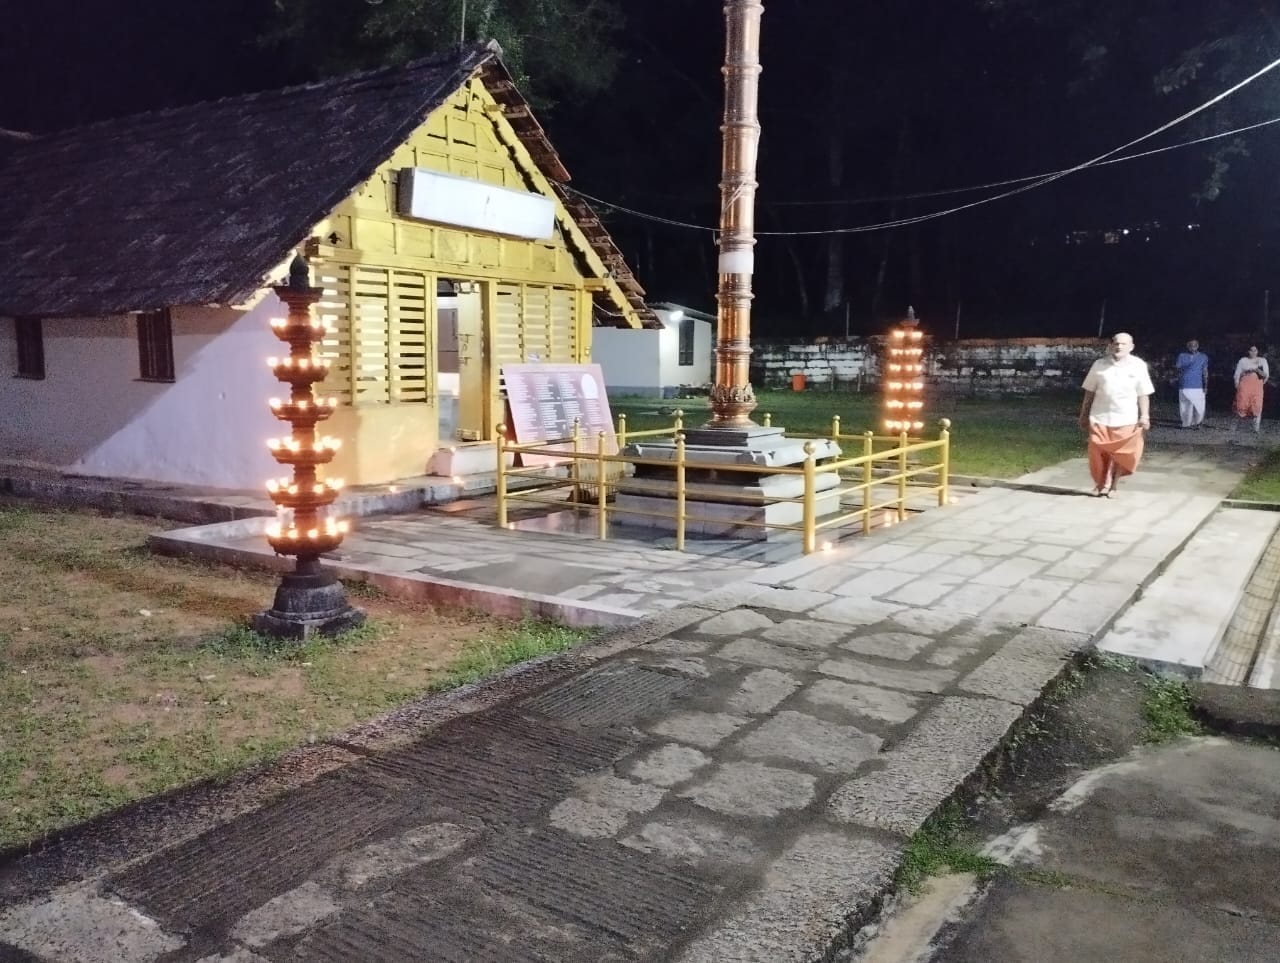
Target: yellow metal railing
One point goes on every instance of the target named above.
(896, 466)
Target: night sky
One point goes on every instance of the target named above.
(895, 99)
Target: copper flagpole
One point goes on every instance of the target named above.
(732, 399)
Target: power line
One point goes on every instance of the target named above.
(1027, 183)
(1017, 180)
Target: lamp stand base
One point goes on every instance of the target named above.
(308, 604)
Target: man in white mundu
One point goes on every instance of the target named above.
(1116, 410)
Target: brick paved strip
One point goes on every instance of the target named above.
(939, 754)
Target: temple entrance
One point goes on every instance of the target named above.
(448, 369)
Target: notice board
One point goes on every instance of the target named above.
(544, 399)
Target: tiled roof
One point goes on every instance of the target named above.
(196, 204)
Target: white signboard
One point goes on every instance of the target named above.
(462, 202)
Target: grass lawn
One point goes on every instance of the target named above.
(1262, 483)
(995, 438)
(123, 675)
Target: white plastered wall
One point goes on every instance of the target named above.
(630, 359)
(699, 373)
(91, 414)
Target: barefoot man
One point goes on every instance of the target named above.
(1115, 412)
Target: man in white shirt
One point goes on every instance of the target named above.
(1116, 410)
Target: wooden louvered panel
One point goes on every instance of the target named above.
(564, 326)
(371, 320)
(381, 349)
(336, 346)
(537, 324)
(508, 346)
(412, 305)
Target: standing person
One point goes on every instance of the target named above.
(1193, 381)
(1251, 374)
(1116, 410)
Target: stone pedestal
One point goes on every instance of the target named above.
(308, 602)
(728, 502)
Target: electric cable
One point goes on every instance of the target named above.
(1035, 181)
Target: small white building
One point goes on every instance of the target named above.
(136, 256)
(657, 363)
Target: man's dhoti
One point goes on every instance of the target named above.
(1113, 452)
(1191, 406)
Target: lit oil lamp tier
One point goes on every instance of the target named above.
(301, 453)
(288, 493)
(304, 412)
(316, 540)
(300, 373)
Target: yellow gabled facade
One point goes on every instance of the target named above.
(516, 300)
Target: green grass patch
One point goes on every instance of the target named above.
(1167, 706)
(489, 655)
(990, 437)
(1262, 482)
(943, 844)
(241, 641)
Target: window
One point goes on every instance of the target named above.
(155, 345)
(29, 333)
(686, 343)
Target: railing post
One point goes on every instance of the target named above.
(902, 476)
(680, 499)
(835, 427)
(810, 497)
(501, 482)
(679, 423)
(575, 473)
(868, 478)
(944, 469)
(767, 420)
(602, 519)
(622, 430)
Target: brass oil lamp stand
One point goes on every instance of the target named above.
(309, 600)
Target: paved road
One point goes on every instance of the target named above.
(731, 780)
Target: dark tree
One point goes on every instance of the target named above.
(555, 48)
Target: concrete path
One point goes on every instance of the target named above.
(1172, 855)
(732, 779)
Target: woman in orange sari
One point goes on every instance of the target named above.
(1251, 374)
(1116, 410)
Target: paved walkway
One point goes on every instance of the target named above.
(732, 779)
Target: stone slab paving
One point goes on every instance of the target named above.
(1181, 621)
(452, 559)
(731, 781)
